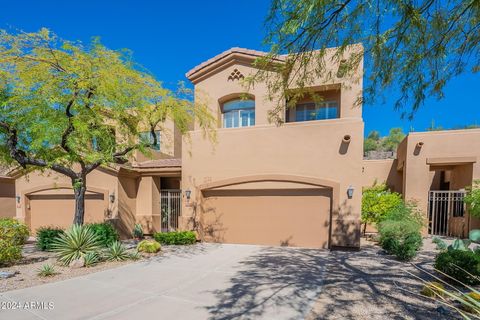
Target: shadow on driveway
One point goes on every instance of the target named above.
(286, 283)
(274, 283)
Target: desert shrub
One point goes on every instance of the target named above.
(13, 231)
(75, 243)
(472, 199)
(462, 265)
(13, 235)
(117, 252)
(400, 232)
(377, 202)
(47, 270)
(149, 246)
(137, 232)
(433, 289)
(9, 252)
(46, 237)
(105, 232)
(176, 238)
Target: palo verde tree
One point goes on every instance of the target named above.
(72, 108)
(412, 47)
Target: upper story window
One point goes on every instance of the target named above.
(238, 113)
(314, 111)
(147, 137)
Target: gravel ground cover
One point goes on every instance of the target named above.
(368, 284)
(33, 259)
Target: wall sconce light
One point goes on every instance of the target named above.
(350, 192)
(188, 193)
(18, 199)
(112, 197)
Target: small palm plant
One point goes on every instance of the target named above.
(117, 252)
(75, 243)
(47, 270)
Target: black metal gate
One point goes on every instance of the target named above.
(442, 206)
(170, 206)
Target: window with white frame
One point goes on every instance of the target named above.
(146, 137)
(238, 113)
(316, 111)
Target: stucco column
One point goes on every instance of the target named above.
(148, 204)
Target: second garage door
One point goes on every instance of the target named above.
(282, 217)
(57, 209)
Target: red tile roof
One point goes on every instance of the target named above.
(160, 163)
(224, 54)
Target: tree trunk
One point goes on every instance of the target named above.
(80, 188)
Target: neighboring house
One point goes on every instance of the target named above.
(125, 195)
(7, 194)
(433, 169)
(295, 184)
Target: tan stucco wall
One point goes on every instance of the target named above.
(170, 143)
(382, 171)
(7, 198)
(292, 149)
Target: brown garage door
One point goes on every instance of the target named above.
(58, 210)
(286, 217)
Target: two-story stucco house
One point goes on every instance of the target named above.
(277, 185)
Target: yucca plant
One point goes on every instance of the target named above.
(92, 258)
(47, 270)
(75, 243)
(466, 304)
(117, 252)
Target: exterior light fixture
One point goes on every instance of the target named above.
(188, 193)
(350, 192)
(18, 199)
(112, 197)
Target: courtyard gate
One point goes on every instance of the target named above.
(170, 206)
(442, 206)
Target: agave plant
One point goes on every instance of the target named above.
(46, 270)
(91, 258)
(75, 243)
(459, 244)
(117, 252)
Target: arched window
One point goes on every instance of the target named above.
(238, 113)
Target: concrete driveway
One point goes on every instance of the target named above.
(206, 281)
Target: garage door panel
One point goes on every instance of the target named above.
(58, 210)
(287, 217)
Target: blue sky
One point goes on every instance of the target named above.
(170, 37)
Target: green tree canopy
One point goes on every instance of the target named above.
(377, 202)
(412, 47)
(374, 142)
(72, 108)
(391, 142)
